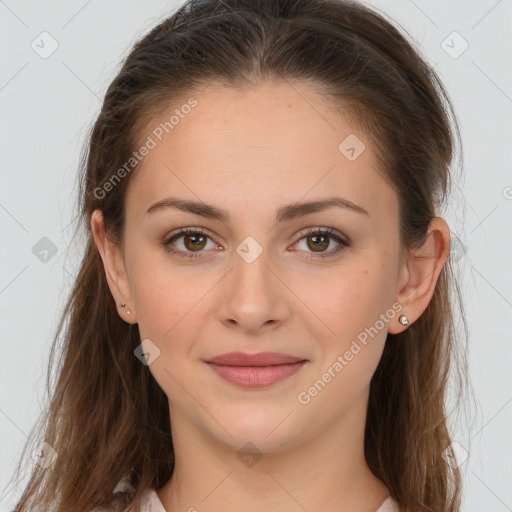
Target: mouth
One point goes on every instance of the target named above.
(255, 370)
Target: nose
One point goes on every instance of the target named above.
(254, 298)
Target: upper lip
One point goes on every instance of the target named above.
(258, 359)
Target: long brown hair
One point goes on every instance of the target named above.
(107, 417)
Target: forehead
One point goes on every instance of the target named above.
(271, 144)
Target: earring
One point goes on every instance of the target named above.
(123, 305)
(403, 319)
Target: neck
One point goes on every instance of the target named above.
(327, 471)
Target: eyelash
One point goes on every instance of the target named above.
(344, 243)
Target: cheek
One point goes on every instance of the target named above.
(165, 304)
(156, 297)
(172, 303)
(348, 299)
(349, 359)
(355, 309)
(161, 291)
(169, 311)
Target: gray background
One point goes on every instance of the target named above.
(47, 105)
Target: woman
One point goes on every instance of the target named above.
(263, 313)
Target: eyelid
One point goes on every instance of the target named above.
(324, 231)
(189, 229)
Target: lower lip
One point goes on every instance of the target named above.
(256, 376)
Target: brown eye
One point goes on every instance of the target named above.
(189, 243)
(194, 241)
(318, 242)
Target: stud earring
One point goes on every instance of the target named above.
(128, 312)
(403, 319)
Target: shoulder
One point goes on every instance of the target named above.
(151, 502)
(147, 502)
(389, 505)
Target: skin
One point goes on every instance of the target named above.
(251, 153)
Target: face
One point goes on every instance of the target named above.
(270, 275)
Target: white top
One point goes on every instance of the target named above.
(152, 503)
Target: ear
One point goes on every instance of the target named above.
(115, 270)
(419, 273)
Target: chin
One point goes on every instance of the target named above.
(258, 431)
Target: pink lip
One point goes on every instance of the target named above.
(257, 359)
(255, 370)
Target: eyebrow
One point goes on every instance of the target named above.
(284, 213)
